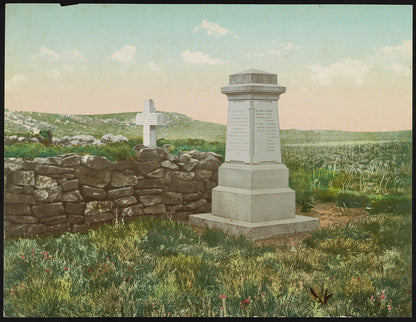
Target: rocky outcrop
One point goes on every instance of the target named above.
(73, 192)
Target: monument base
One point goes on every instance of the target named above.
(255, 230)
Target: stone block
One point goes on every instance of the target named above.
(209, 185)
(72, 196)
(70, 185)
(74, 208)
(98, 218)
(50, 161)
(121, 165)
(92, 193)
(172, 198)
(188, 197)
(169, 165)
(93, 208)
(144, 192)
(23, 178)
(119, 179)
(48, 194)
(47, 210)
(151, 154)
(209, 163)
(145, 167)
(120, 192)
(12, 164)
(14, 189)
(28, 190)
(68, 176)
(75, 219)
(185, 186)
(29, 165)
(125, 201)
(204, 209)
(93, 178)
(181, 216)
(150, 200)
(52, 169)
(44, 182)
(71, 161)
(194, 205)
(188, 166)
(21, 219)
(133, 211)
(16, 209)
(53, 220)
(79, 228)
(95, 162)
(155, 209)
(183, 175)
(204, 175)
(158, 173)
(149, 183)
(19, 198)
(58, 228)
(173, 208)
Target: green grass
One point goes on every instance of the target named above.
(154, 267)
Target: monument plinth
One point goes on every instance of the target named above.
(149, 119)
(253, 197)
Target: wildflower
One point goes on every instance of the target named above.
(246, 301)
(129, 268)
(32, 251)
(223, 296)
(221, 307)
(50, 256)
(106, 258)
(90, 270)
(66, 268)
(382, 297)
(23, 257)
(390, 301)
(47, 271)
(45, 258)
(389, 307)
(46, 253)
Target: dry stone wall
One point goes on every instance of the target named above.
(74, 192)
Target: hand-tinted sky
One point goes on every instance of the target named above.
(344, 67)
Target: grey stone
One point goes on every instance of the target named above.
(29, 190)
(95, 162)
(121, 165)
(119, 179)
(155, 209)
(214, 177)
(145, 167)
(47, 210)
(209, 163)
(184, 157)
(94, 208)
(120, 192)
(79, 228)
(188, 197)
(69, 176)
(172, 157)
(149, 183)
(21, 219)
(185, 186)
(89, 193)
(181, 216)
(198, 155)
(125, 201)
(16, 209)
(151, 154)
(53, 220)
(19, 198)
(75, 219)
(195, 204)
(150, 200)
(23, 178)
(170, 165)
(74, 208)
(14, 189)
(215, 155)
(71, 196)
(173, 208)
(44, 182)
(35, 229)
(93, 178)
(12, 164)
(48, 194)
(209, 185)
(59, 228)
(71, 160)
(143, 192)
(29, 165)
(183, 175)
(70, 185)
(189, 165)
(172, 198)
(132, 211)
(97, 218)
(50, 161)
(204, 209)
(52, 169)
(203, 174)
(156, 173)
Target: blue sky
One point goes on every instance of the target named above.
(336, 61)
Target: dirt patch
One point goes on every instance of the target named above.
(328, 213)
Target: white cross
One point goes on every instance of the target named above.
(149, 119)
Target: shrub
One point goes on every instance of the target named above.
(351, 199)
(390, 204)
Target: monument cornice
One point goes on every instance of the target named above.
(253, 88)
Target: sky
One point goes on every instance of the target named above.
(345, 67)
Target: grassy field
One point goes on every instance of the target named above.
(154, 267)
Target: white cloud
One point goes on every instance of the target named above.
(48, 52)
(400, 69)
(77, 55)
(289, 46)
(15, 83)
(404, 49)
(153, 67)
(198, 57)
(53, 73)
(273, 52)
(212, 28)
(125, 54)
(258, 55)
(348, 69)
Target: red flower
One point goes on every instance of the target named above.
(90, 270)
(23, 257)
(246, 301)
(223, 296)
(66, 268)
(32, 250)
(47, 271)
(382, 297)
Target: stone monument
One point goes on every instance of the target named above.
(253, 197)
(149, 119)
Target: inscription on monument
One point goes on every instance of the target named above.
(266, 132)
(238, 132)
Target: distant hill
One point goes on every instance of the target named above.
(176, 126)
